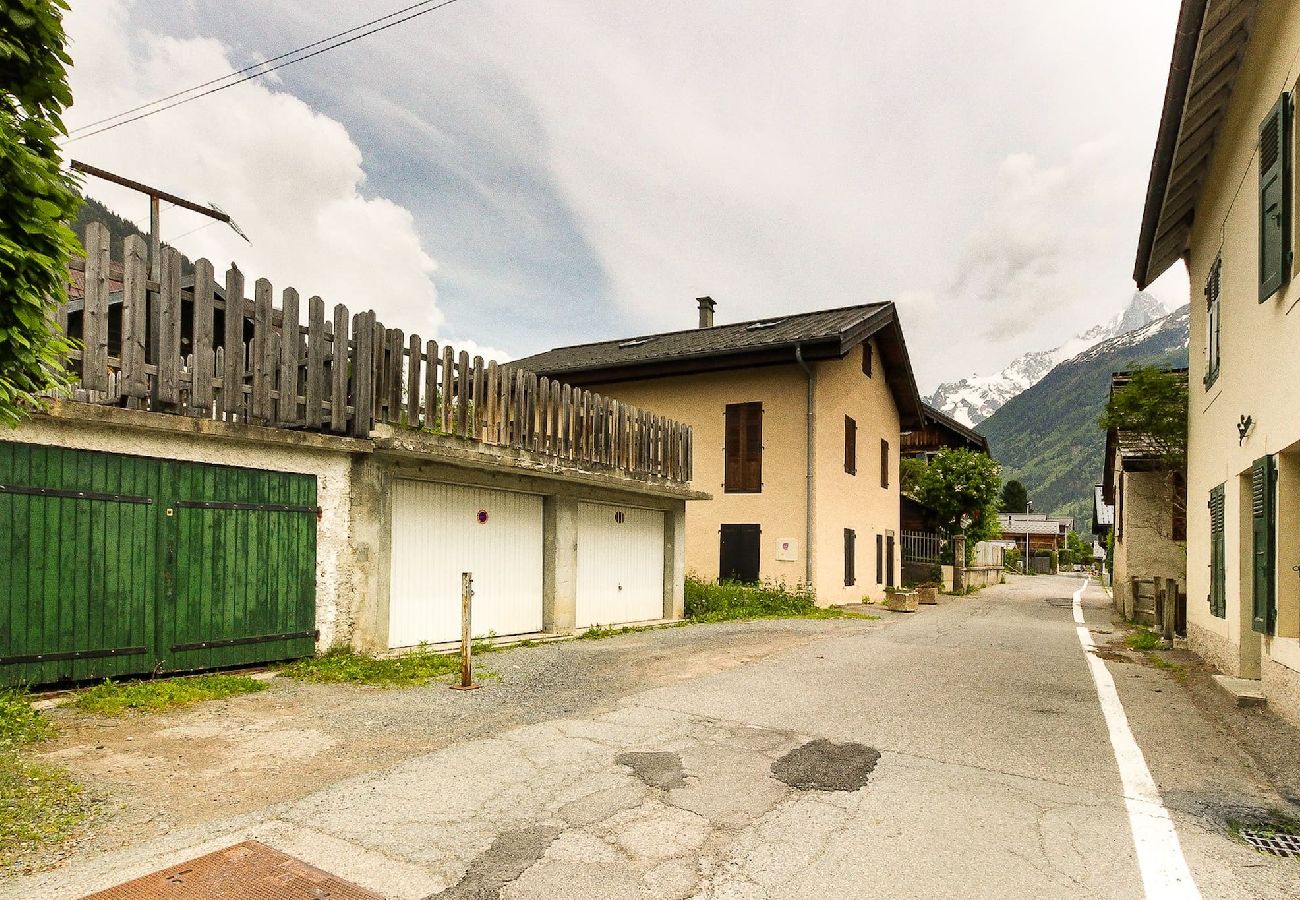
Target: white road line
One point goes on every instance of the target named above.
(1160, 856)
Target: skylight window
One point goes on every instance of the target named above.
(635, 342)
(759, 326)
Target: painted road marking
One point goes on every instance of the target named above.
(1160, 855)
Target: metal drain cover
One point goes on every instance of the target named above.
(1278, 843)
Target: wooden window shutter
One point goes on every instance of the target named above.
(1263, 526)
(1275, 198)
(1218, 574)
(880, 559)
(850, 548)
(884, 463)
(1213, 314)
(866, 358)
(850, 446)
(743, 453)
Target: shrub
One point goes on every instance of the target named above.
(708, 601)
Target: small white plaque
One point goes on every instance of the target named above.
(787, 549)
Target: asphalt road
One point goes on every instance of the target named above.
(958, 752)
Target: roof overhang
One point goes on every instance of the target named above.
(1209, 47)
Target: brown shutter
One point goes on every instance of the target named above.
(866, 358)
(884, 463)
(743, 454)
(850, 446)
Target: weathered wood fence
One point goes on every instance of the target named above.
(173, 346)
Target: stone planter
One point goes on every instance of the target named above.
(903, 601)
(927, 594)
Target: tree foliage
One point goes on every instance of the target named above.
(1152, 406)
(37, 200)
(1015, 499)
(961, 488)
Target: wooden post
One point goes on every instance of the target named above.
(135, 303)
(1170, 604)
(232, 376)
(466, 652)
(290, 355)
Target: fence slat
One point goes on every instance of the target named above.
(339, 372)
(314, 389)
(462, 394)
(286, 409)
(94, 318)
(363, 365)
(232, 377)
(135, 311)
(478, 418)
(492, 427)
(169, 327)
(431, 387)
(393, 377)
(263, 369)
(448, 385)
(414, 347)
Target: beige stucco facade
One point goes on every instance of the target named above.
(840, 500)
(1259, 377)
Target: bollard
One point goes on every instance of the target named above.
(466, 660)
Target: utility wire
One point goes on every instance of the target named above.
(261, 72)
(246, 69)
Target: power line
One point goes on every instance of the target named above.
(256, 65)
(259, 74)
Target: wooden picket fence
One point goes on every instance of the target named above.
(169, 346)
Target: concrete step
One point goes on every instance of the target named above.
(1247, 691)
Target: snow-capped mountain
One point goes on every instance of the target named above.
(972, 400)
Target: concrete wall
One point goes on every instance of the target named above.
(840, 500)
(1260, 370)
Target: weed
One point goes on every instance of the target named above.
(343, 665)
(113, 698)
(1165, 665)
(40, 805)
(707, 601)
(19, 723)
(1142, 639)
(596, 632)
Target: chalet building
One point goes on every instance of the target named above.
(1031, 532)
(1148, 505)
(938, 432)
(1221, 199)
(796, 422)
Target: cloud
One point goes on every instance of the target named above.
(291, 177)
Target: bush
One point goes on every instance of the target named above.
(708, 601)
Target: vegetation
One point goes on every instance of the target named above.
(37, 202)
(1142, 639)
(1015, 499)
(113, 698)
(596, 632)
(1047, 437)
(961, 489)
(707, 601)
(1153, 405)
(38, 804)
(343, 665)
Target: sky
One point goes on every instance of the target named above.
(513, 175)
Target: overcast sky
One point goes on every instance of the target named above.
(523, 174)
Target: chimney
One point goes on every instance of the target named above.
(707, 305)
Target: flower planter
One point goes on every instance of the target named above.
(903, 601)
(927, 594)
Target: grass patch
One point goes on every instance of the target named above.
(1165, 665)
(39, 804)
(707, 601)
(1142, 639)
(596, 632)
(343, 665)
(113, 698)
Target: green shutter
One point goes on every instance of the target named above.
(1262, 479)
(1218, 576)
(1275, 198)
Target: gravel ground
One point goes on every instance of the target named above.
(150, 774)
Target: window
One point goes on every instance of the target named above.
(743, 455)
(1275, 198)
(1212, 314)
(884, 463)
(880, 559)
(850, 546)
(850, 446)
(738, 553)
(1218, 604)
(866, 358)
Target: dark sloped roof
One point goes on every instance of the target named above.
(719, 340)
(823, 334)
(970, 434)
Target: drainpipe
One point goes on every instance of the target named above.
(808, 454)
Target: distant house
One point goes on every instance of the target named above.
(1221, 200)
(797, 422)
(1103, 514)
(1149, 504)
(939, 432)
(1031, 532)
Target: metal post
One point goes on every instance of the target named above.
(466, 659)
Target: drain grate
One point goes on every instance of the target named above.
(1278, 843)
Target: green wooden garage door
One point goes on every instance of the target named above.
(120, 565)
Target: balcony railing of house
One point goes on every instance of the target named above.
(171, 347)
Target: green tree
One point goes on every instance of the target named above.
(36, 202)
(1152, 408)
(1015, 499)
(961, 488)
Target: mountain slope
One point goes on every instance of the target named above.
(1048, 436)
(972, 400)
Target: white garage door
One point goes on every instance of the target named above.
(620, 564)
(441, 530)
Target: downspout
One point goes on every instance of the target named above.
(808, 455)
